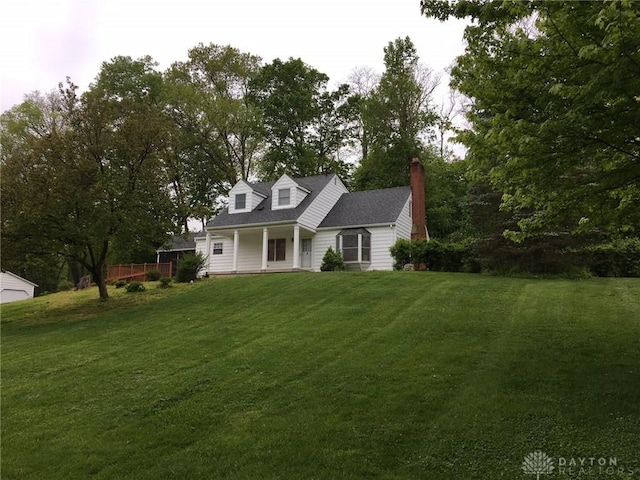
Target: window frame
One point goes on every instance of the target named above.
(276, 250)
(240, 197)
(357, 251)
(218, 248)
(287, 196)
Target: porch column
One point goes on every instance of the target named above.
(265, 248)
(359, 248)
(236, 244)
(296, 246)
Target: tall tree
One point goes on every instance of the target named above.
(218, 136)
(96, 178)
(303, 120)
(555, 109)
(362, 83)
(23, 132)
(397, 116)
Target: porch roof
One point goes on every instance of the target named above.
(181, 242)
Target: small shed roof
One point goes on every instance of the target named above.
(18, 277)
(180, 242)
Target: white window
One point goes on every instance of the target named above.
(354, 244)
(284, 196)
(241, 201)
(217, 248)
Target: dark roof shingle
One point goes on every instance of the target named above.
(181, 242)
(263, 212)
(370, 207)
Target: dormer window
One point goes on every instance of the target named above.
(284, 197)
(287, 193)
(241, 201)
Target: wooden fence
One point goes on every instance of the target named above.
(137, 271)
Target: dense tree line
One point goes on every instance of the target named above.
(554, 115)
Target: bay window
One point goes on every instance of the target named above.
(354, 244)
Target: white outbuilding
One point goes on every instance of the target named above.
(14, 288)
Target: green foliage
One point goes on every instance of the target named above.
(402, 253)
(134, 287)
(217, 131)
(445, 256)
(86, 171)
(396, 117)
(65, 285)
(332, 261)
(303, 120)
(446, 198)
(189, 266)
(620, 258)
(152, 275)
(120, 283)
(165, 282)
(554, 113)
(434, 254)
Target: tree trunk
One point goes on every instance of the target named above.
(100, 278)
(98, 268)
(75, 269)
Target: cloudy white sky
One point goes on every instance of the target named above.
(44, 41)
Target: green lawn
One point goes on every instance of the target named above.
(396, 375)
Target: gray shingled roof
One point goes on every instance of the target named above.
(180, 242)
(263, 213)
(370, 207)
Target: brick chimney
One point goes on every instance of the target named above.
(418, 204)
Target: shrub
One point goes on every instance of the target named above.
(620, 258)
(189, 266)
(165, 282)
(120, 284)
(332, 261)
(401, 251)
(135, 287)
(436, 255)
(152, 275)
(65, 285)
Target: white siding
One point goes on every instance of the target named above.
(253, 198)
(296, 193)
(216, 263)
(321, 243)
(403, 224)
(382, 238)
(299, 194)
(323, 203)
(249, 252)
(14, 288)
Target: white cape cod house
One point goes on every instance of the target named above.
(289, 224)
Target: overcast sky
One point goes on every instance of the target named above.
(44, 41)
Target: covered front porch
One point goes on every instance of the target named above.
(260, 249)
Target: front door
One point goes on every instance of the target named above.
(306, 253)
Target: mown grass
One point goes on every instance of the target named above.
(322, 376)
